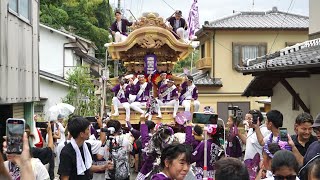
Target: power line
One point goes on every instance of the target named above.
(169, 5)
(285, 16)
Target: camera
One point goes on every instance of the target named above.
(255, 117)
(109, 131)
(237, 112)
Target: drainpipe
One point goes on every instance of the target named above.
(213, 54)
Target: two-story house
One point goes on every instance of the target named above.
(290, 76)
(226, 42)
(19, 62)
(60, 52)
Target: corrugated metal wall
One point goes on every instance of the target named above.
(19, 63)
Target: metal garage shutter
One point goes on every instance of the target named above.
(18, 111)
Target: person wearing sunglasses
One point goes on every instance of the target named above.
(284, 166)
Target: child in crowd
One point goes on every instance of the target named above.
(233, 146)
(175, 163)
(284, 166)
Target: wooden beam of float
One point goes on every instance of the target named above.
(150, 33)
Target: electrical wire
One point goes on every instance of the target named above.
(285, 16)
(168, 5)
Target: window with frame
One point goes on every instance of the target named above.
(244, 51)
(21, 8)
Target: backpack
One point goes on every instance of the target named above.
(119, 156)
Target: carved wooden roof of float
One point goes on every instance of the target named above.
(150, 35)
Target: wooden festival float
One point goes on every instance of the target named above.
(150, 46)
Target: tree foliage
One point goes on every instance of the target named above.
(81, 92)
(86, 18)
(186, 63)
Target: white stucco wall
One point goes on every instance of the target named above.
(53, 91)
(307, 88)
(314, 14)
(51, 51)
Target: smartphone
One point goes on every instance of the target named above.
(15, 130)
(283, 134)
(204, 118)
(43, 125)
(91, 118)
(255, 117)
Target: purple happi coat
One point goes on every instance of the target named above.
(172, 94)
(185, 89)
(160, 176)
(190, 138)
(198, 153)
(145, 95)
(122, 98)
(149, 159)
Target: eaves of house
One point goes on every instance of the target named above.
(254, 20)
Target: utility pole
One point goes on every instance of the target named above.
(116, 62)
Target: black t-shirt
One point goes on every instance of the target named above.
(44, 154)
(303, 149)
(68, 163)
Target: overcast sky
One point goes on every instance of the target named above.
(212, 9)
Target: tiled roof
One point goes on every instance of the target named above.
(300, 60)
(205, 79)
(299, 56)
(273, 19)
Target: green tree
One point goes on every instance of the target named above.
(186, 63)
(86, 18)
(81, 92)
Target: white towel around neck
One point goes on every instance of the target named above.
(82, 166)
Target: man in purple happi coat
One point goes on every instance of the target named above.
(120, 99)
(119, 27)
(189, 93)
(163, 77)
(142, 91)
(168, 96)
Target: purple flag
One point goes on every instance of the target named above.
(193, 20)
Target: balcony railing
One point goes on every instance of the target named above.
(204, 63)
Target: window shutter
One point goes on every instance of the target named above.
(235, 55)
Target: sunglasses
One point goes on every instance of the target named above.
(291, 177)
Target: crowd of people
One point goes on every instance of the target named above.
(102, 150)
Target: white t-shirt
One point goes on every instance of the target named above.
(252, 145)
(181, 137)
(62, 135)
(39, 170)
(267, 138)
